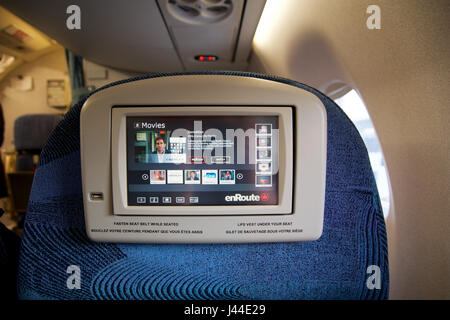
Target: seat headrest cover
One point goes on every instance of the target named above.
(32, 130)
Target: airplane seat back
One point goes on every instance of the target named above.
(349, 260)
(30, 133)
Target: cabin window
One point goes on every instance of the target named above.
(356, 110)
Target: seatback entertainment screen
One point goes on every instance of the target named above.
(202, 160)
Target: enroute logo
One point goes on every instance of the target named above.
(264, 197)
(242, 198)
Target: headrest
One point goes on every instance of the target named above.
(32, 130)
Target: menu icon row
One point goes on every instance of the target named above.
(263, 166)
(222, 176)
(165, 200)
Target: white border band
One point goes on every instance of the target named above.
(307, 181)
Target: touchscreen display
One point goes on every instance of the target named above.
(202, 160)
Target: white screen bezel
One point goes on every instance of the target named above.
(308, 179)
(119, 159)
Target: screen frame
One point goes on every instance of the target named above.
(119, 114)
(308, 180)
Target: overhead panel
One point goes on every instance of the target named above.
(126, 35)
(20, 36)
(150, 36)
(212, 28)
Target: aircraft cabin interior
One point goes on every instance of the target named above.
(224, 150)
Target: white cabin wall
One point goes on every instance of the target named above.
(97, 75)
(16, 103)
(53, 65)
(402, 74)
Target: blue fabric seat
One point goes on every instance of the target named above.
(333, 267)
(30, 133)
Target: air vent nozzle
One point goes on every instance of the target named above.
(200, 11)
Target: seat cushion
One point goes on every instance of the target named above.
(333, 267)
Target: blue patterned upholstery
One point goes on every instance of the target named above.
(32, 130)
(30, 133)
(333, 267)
